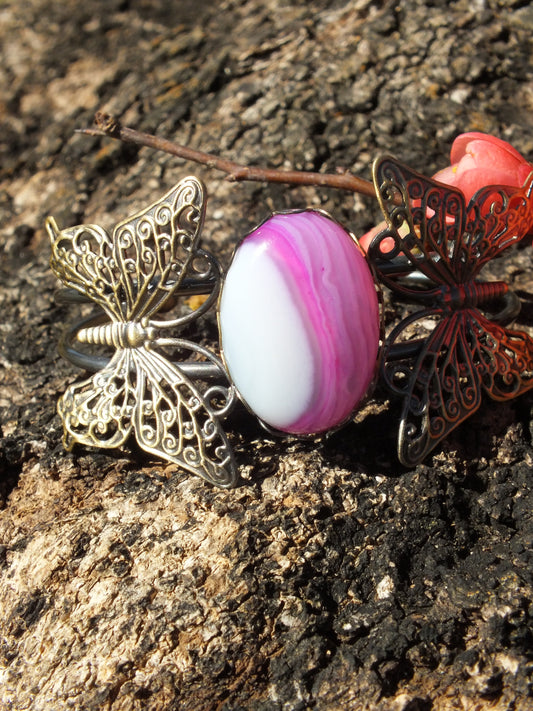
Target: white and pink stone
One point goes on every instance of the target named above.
(299, 322)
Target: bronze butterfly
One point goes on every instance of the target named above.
(132, 276)
(436, 234)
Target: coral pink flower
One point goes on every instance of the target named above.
(477, 160)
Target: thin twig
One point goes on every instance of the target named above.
(109, 126)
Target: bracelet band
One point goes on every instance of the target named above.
(91, 362)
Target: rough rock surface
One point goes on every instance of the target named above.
(331, 578)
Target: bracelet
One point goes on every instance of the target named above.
(301, 338)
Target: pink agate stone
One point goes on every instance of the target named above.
(299, 322)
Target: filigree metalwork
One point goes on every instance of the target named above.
(430, 227)
(133, 277)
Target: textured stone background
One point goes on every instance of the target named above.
(332, 578)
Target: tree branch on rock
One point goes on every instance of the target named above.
(106, 125)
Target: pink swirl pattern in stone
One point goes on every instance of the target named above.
(299, 323)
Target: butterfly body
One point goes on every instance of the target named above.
(132, 276)
(432, 229)
(117, 334)
(473, 294)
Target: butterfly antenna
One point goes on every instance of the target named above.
(52, 228)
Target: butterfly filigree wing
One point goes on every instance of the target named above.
(173, 420)
(503, 357)
(441, 386)
(82, 258)
(497, 217)
(132, 275)
(425, 221)
(141, 392)
(97, 412)
(154, 248)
